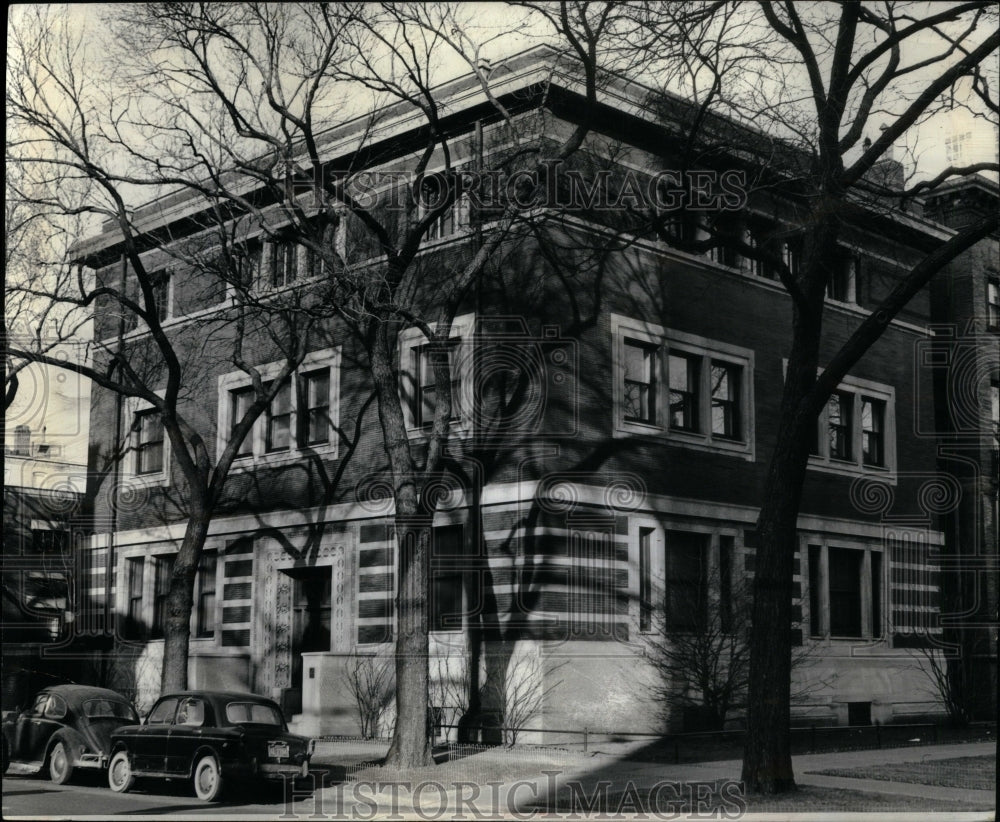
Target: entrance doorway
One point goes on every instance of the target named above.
(311, 588)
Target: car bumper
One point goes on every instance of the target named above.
(269, 770)
(280, 771)
(89, 760)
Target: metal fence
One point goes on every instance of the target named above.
(357, 754)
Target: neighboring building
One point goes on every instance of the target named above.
(44, 531)
(965, 374)
(620, 496)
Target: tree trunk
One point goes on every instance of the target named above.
(767, 760)
(180, 602)
(410, 746)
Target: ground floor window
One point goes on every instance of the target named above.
(845, 592)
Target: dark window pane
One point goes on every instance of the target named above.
(815, 616)
(876, 560)
(240, 400)
(686, 581)
(446, 610)
(205, 625)
(149, 442)
(279, 420)
(645, 579)
(726, 400)
(873, 431)
(314, 410)
(845, 591)
(840, 410)
(640, 388)
(683, 382)
(163, 567)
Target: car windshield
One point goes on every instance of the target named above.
(109, 709)
(253, 712)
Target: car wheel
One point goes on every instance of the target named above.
(207, 779)
(60, 766)
(120, 776)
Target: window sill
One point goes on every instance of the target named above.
(160, 480)
(253, 462)
(851, 469)
(684, 439)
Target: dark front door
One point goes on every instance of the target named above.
(310, 624)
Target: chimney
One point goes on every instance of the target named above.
(22, 440)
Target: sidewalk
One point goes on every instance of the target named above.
(498, 781)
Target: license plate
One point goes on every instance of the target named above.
(277, 750)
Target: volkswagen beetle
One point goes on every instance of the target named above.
(212, 738)
(67, 727)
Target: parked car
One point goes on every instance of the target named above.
(67, 727)
(212, 738)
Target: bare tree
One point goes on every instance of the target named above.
(838, 85)
(62, 131)
(369, 678)
(231, 103)
(705, 666)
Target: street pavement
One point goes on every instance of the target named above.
(493, 784)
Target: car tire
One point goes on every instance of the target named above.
(60, 764)
(120, 777)
(208, 779)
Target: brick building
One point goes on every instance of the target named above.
(618, 496)
(965, 373)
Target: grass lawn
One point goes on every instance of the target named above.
(972, 772)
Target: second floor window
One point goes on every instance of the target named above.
(725, 400)
(840, 417)
(873, 431)
(278, 420)
(640, 381)
(856, 429)
(303, 413)
(694, 390)
(148, 429)
(240, 400)
(425, 387)
(314, 407)
(683, 378)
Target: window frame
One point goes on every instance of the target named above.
(206, 620)
(707, 353)
(462, 338)
(135, 599)
(131, 408)
(860, 390)
(163, 568)
(872, 590)
(143, 446)
(256, 453)
(993, 303)
(161, 283)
